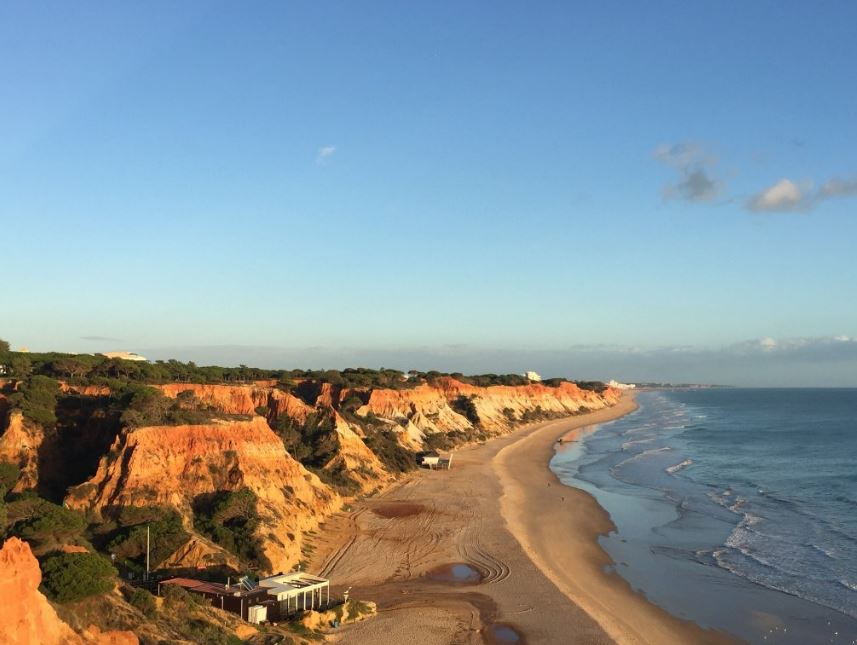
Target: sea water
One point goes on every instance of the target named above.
(734, 508)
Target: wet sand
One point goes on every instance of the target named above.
(531, 541)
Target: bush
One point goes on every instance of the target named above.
(391, 453)
(37, 400)
(144, 601)
(8, 476)
(465, 407)
(48, 521)
(72, 576)
(165, 529)
(230, 519)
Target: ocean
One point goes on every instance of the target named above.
(734, 508)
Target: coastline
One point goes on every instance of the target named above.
(500, 512)
(558, 526)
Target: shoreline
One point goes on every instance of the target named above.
(558, 527)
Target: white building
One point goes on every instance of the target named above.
(125, 356)
(297, 591)
(533, 376)
(621, 386)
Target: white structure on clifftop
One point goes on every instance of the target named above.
(533, 376)
(621, 386)
(125, 356)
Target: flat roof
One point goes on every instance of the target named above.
(217, 588)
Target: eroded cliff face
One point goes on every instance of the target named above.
(26, 616)
(19, 444)
(172, 465)
(349, 452)
(244, 399)
(431, 408)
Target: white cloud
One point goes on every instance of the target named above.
(785, 195)
(324, 153)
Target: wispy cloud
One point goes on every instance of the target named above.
(324, 153)
(838, 188)
(696, 181)
(788, 196)
(101, 339)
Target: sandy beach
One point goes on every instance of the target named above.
(495, 550)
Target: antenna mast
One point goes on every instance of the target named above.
(147, 551)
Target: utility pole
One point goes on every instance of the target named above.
(147, 552)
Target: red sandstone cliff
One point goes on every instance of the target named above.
(26, 616)
(171, 465)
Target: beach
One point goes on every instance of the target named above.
(494, 550)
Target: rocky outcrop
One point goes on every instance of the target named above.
(26, 616)
(19, 444)
(172, 465)
(198, 553)
(244, 399)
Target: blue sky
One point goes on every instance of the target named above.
(588, 191)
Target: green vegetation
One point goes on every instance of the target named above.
(148, 406)
(128, 542)
(100, 370)
(185, 609)
(8, 476)
(9, 473)
(72, 576)
(230, 519)
(395, 458)
(595, 386)
(46, 526)
(465, 407)
(144, 601)
(37, 399)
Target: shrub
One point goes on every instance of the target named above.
(72, 576)
(230, 519)
(394, 457)
(144, 601)
(8, 476)
(465, 407)
(165, 530)
(48, 521)
(37, 400)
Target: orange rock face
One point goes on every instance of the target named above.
(500, 407)
(243, 399)
(19, 444)
(26, 616)
(171, 465)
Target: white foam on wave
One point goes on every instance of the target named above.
(636, 442)
(672, 470)
(830, 553)
(641, 455)
(848, 585)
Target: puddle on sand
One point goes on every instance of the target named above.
(390, 510)
(500, 634)
(457, 573)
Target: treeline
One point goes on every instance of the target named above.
(97, 369)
